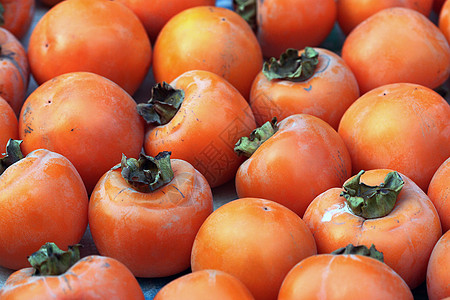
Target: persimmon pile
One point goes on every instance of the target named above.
(224, 149)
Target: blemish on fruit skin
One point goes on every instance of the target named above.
(308, 88)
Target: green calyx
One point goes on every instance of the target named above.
(13, 154)
(2, 17)
(50, 260)
(291, 66)
(163, 105)
(248, 145)
(147, 174)
(372, 201)
(360, 250)
(247, 10)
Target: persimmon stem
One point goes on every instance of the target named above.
(50, 260)
(372, 201)
(147, 174)
(248, 145)
(247, 10)
(360, 250)
(291, 66)
(13, 154)
(163, 105)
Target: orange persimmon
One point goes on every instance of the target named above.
(439, 193)
(444, 20)
(9, 128)
(438, 275)
(325, 87)
(16, 16)
(383, 208)
(146, 213)
(256, 240)
(397, 45)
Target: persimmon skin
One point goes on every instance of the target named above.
(327, 94)
(101, 36)
(438, 277)
(100, 123)
(17, 16)
(403, 127)
(444, 20)
(92, 277)
(208, 38)
(211, 119)
(397, 45)
(346, 277)
(14, 70)
(405, 236)
(238, 238)
(304, 158)
(9, 128)
(205, 285)
(351, 13)
(151, 233)
(439, 193)
(154, 14)
(296, 24)
(49, 203)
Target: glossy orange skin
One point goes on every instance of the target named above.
(211, 119)
(405, 236)
(43, 199)
(14, 70)
(151, 233)
(92, 277)
(444, 20)
(439, 193)
(9, 128)
(208, 38)
(438, 277)
(404, 127)
(350, 13)
(304, 158)
(154, 14)
(256, 240)
(205, 285)
(295, 24)
(345, 277)
(101, 36)
(18, 15)
(327, 94)
(397, 45)
(99, 123)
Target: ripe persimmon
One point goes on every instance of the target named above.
(256, 240)
(439, 193)
(397, 45)
(438, 276)
(208, 38)
(403, 127)
(9, 128)
(99, 36)
(16, 16)
(85, 117)
(324, 88)
(380, 207)
(444, 20)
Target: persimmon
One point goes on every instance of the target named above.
(438, 277)
(14, 70)
(292, 162)
(208, 38)
(16, 16)
(43, 199)
(444, 20)
(404, 127)
(353, 272)
(282, 24)
(350, 13)
(154, 14)
(101, 36)
(63, 275)
(199, 117)
(205, 285)
(439, 193)
(256, 240)
(147, 211)
(9, 128)
(397, 45)
(85, 117)
(380, 207)
(325, 87)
